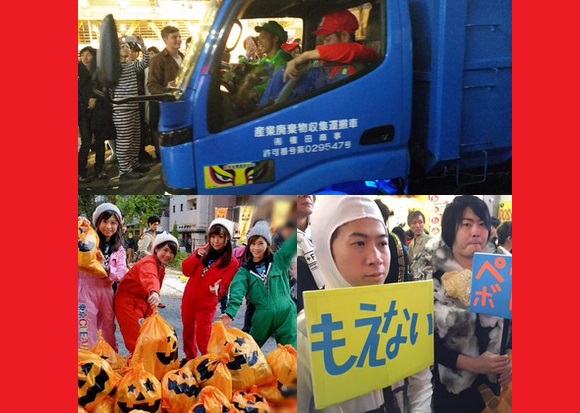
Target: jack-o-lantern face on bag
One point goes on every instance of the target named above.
(212, 400)
(171, 353)
(242, 354)
(250, 402)
(138, 390)
(180, 389)
(96, 378)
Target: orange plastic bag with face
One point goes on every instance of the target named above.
(284, 363)
(107, 405)
(212, 400)
(248, 402)
(247, 363)
(156, 346)
(138, 390)
(211, 370)
(88, 247)
(180, 389)
(106, 352)
(97, 379)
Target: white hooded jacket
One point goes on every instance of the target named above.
(331, 212)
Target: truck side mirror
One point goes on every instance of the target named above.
(108, 56)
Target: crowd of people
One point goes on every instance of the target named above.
(271, 60)
(127, 128)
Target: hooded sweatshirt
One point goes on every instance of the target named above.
(331, 212)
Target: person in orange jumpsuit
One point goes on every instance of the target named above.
(138, 293)
(211, 269)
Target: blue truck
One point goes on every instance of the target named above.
(437, 102)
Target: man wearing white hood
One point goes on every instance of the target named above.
(351, 245)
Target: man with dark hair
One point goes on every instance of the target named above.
(416, 222)
(145, 244)
(270, 40)
(467, 344)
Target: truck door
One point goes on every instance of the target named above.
(355, 128)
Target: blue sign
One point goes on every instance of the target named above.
(491, 285)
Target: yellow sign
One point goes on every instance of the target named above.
(244, 220)
(280, 214)
(364, 339)
(505, 211)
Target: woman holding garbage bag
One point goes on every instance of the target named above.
(95, 295)
(138, 293)
(265, 276)
(210, 269)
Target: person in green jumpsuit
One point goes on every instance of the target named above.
(265, 276)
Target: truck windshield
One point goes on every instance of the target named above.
(194, 50)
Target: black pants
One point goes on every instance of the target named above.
(86, 139)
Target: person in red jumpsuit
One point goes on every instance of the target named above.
(210, 269)
(138, 293)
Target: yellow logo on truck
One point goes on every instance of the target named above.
(238, 174)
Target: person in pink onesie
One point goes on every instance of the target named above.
(139, 292)
(95, 295)
(210, 269)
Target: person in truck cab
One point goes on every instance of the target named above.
(340, 55)
(338, 51)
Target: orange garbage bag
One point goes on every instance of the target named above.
(211, 370)
(247, 363)
(138, 390)
(156, 346)
(106, 352)
(179, 389)
(88, 247)
(212, 400)
(97, 379)
(284, 364)
(248, 402)
(106, 405)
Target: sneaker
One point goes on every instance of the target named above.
(141, 168)
(131, 175)
(111, 158)
(102, 175)
(84, 179)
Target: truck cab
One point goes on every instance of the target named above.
(367, 125)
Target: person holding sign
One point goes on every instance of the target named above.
(467, 345)
(352, 249)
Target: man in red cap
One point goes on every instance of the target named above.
(337, 30)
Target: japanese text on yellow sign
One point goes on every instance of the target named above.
(366, 338)
(491, 285)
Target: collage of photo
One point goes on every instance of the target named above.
(294, 207)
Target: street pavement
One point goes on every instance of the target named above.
(171, 296)
(150, 184)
